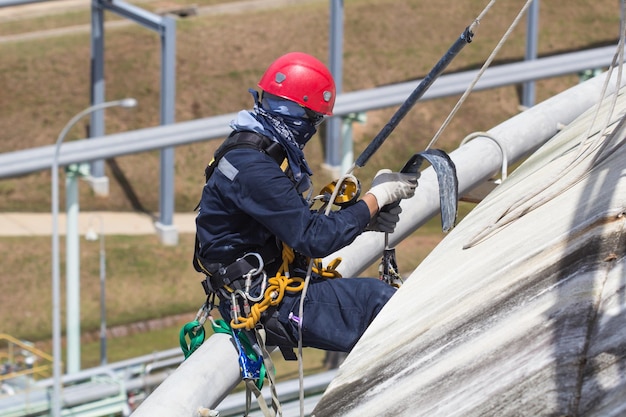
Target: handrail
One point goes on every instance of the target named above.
(25, 346)
(183, 133)
(39, 370)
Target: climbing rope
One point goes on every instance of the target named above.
(315, 265)
(329, 271)
(486, 65)
(270, 372)
(277, 286)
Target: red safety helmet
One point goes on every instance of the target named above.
(301, 78)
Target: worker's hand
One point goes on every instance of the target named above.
(389, 187)
(385, 221)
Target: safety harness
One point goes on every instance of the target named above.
(254, 297)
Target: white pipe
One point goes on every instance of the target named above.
(476, 162)
(202, 381)
(211, 372)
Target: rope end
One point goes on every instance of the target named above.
(468, 34)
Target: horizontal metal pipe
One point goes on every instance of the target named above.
(201, 381)
(136, 14)
(495, 76)
(9, 3)
(143, 140)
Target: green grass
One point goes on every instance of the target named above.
(144, 280)
(121, 348)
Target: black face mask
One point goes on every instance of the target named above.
(289, 125)
(293, 116)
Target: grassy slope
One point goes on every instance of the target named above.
(45, 82)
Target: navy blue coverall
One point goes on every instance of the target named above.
(249, 203)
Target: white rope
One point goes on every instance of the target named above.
(586, 149)
(304, 290)
(482, 70)
(300, 322)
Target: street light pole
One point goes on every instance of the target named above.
(72, 270)
(103, 317)
(93, 235)
(56, 292)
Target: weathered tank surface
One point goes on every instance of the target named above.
(521, 309)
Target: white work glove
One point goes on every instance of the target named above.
(389, 187)
(385, 221)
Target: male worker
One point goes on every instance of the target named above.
(252, 212)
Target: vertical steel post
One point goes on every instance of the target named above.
(56, 287)
(103, 320)
(165, 26)
(165, 225)
(99, 182)
(332, 157)
(532, 30)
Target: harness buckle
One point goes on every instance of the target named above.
(259, 258)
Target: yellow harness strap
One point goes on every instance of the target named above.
(281, 283)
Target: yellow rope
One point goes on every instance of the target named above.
(329, 271)
(278, 285)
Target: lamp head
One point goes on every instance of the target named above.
(128, 102)
(91, 234)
